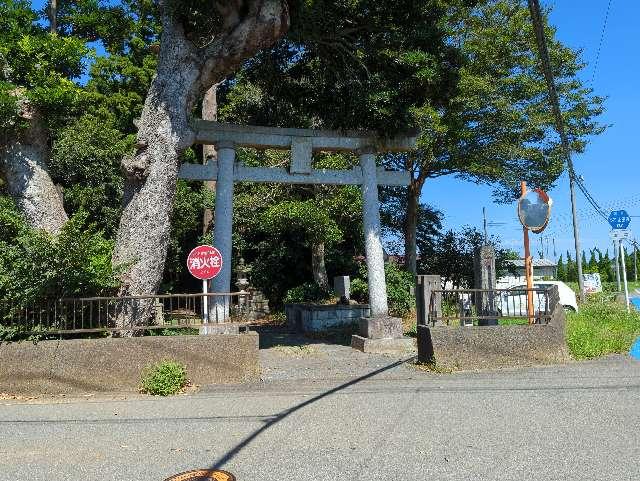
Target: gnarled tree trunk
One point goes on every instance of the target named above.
(23, 165)
(185, 72)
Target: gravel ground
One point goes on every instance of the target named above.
(285, 356)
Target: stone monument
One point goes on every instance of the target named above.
(485, 278)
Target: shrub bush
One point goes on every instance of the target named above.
(399, 283)
(36, 266)
(164, 378)
(307, 292)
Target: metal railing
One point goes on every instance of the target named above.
(487, 306)
(126, 313)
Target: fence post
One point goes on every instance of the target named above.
(426, 354)
(425, 285)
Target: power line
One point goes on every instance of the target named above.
(604, 28)
(538, 28)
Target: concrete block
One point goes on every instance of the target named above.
(115, 364)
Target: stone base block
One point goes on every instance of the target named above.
(220, 328)
(382, 346)
(381, 327)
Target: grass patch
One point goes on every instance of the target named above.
(164, 378)
(505, 321)
(174, 331)
(601, 327)
(295, 351)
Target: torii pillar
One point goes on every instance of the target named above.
(380, 332)
(373, 234)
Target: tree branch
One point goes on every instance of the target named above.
(266, 21)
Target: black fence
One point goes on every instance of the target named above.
(488, 306)
(127, 313)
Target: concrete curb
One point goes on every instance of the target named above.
(115, 365)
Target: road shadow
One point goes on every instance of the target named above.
(232, 453)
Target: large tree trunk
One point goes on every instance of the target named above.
(318, 265)
(410, 228)
(53, 16)
(24, 168)
(151, 174)
(185, 72)
(209, 154)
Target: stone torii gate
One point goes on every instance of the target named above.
(302, 143)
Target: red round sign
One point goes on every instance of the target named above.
(204, 262)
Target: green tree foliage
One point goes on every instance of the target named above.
(37, 66)
(453, 258)
(306, 217)
(561, 270)
(605, 269)
(191, 200)
(572, 269)
(464, 72)
(275, 226)
(86, 161)
(349, 64)
(34, 265)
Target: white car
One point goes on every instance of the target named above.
(514, 300)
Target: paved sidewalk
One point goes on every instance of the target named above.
(574, 422)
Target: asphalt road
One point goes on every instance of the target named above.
(574, 422)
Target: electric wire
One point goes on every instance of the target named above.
(602, 33)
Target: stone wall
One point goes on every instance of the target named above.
(485, 347)
(320, 317)
(93, 365)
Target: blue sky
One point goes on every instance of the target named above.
(610, 164)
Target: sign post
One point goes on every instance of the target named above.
(617, 257)
(204, 262)
(624, 276)
(534, 211)
(618, 235)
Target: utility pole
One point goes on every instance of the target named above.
(538, 27)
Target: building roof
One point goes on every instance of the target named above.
(536, 263)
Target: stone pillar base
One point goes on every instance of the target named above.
(221, 328)
(383, 327)
(381, 335)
